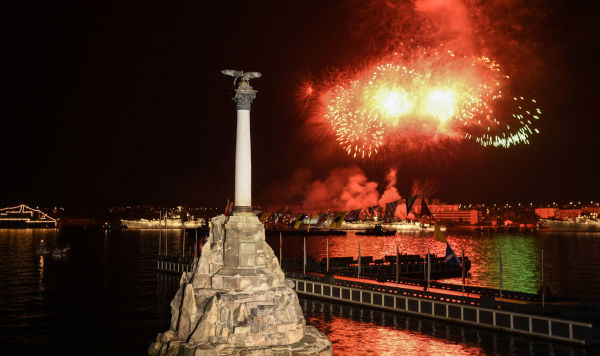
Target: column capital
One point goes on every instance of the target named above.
(244, 94)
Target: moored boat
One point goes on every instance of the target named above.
(377, 231)
(580, 223)
(61, 252)
(172, 223)
(24, 217)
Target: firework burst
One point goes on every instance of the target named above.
(427, 94)
(357, 129)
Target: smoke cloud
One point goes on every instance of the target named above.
(343, 188)
(425, 188)
(449, 21)
(391, 193)
(506, 30)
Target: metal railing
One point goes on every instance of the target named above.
(174, 264)
(442, 306)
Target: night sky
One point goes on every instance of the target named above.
(114, 103)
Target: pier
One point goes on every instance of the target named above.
(512, 311)
(480, 310)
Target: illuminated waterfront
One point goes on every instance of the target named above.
(520, 255)
(110, 279)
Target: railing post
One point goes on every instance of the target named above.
(570, 331)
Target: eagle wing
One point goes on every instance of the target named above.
(251, 75)
(232, 72)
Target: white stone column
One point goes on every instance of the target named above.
(243, 163)
(244, 94)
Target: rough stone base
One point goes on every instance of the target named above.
(313, 343)
(236, 300)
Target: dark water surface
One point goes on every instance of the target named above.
(106, 298)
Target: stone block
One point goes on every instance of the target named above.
(206, 352)
(154, 349)
(188, 313)
(241, 330)
(174, 348)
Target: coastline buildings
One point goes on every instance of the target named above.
(451, 213)
(446, 214)
(569, 213)
(546, 213)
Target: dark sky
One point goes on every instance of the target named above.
(120, 102)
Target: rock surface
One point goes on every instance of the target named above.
(236, 300)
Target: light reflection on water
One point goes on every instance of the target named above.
(572, 260)
(359, 331)
(108, 288)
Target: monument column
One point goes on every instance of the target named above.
(236, 300)
(244, 94)
(243, 258)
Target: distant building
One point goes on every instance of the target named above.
(435, 208)
(590, 210)
(568, 213)
(546, 213)
(415, 212)
(458, 216)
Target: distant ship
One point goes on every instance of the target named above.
(172, 223)
(377, 231)
(580, 223)
(24, 217)
(400, 226)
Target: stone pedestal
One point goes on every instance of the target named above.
(236, 300)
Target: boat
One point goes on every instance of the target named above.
(401, 226)
(377, 231)
(411, 266)
(61, 252)
(24, 217)
(580, 223)
(172, 223)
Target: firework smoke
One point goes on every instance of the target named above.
(391, 193)
(426, 188)
(342, 189)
